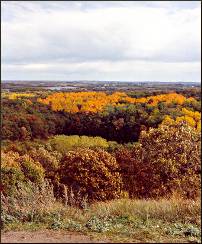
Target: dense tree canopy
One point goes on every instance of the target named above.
(116, 117)
(96, 101)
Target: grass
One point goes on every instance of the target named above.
(124, 220)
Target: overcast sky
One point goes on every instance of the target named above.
(134, 41)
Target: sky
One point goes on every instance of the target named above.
(89, 40)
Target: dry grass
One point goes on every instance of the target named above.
(123, 220)
(167, 210)
(30, 200)
(166, 220)
(32, 203)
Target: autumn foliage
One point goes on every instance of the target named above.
(15, 95)
(96, 101)
(17, 169)
(92, 173)
(63, 143)
(77, 140)
(167, 160)
(115, 117)
(192, 118)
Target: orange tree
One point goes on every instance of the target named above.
(94, 102)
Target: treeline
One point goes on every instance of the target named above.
(115, 117)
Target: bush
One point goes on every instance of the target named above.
(32, 170)
(16, 169)
(113, 146)
(64, 143)
(22, 147)
(30, 203)
(167, 161)
(48, 159)
(11, 172)
(130, 165)
(91, 173)
(173, 156)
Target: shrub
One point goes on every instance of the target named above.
(91, 173)
(166, 161)
(48, 159)
(22, 147)
(16, 169)
(113, 145)
(173, 156)
(30, 203)
(32, 170)
(64, 143)
(11, 172)
(130, 164)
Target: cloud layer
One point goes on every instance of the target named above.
(101, 40)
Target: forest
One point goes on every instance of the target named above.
(91, 147)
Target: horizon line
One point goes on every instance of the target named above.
(100, 81)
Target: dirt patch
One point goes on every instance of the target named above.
(45, 236)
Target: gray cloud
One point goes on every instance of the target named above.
(70, 39)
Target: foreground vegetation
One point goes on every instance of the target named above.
(124, 167)
(93, 189)
(165, 160)
(123, 220)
